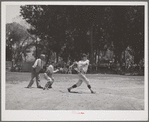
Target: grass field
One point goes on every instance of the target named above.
(113, 92)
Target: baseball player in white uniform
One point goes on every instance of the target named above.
(82, 67)
(48, 75)
(36, 68)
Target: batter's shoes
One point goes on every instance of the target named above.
(50, 87)
(45, 88)
(69, 90)
(40, 87)
(93, 92)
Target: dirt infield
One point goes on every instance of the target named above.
(113, 92)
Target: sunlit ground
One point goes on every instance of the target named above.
(113, 92)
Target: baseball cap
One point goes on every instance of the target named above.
(84, 55)
(42, 55)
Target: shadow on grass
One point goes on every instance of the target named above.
(33, 88)
(70, 92)
(74, 92)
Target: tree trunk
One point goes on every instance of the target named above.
(25, 58)
(36, 51)
(57, 57)
(125, 60)
(118, 58)
(91, 43)
(98, 57)
(47, 59)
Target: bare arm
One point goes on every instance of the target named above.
(55, 71)
(35, 64)
(73, 64)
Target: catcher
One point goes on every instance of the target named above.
(82, 67)
(48, 75)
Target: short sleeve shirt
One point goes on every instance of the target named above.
(49, 70)
(83, 66)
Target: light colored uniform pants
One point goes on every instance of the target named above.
(82, 78)
(34, 75)
(49, 79)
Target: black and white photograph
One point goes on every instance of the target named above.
(74, 61)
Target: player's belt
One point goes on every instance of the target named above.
(83, 72)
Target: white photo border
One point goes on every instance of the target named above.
(69, 115)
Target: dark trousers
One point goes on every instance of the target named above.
(34, 75)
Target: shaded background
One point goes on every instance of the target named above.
(112, 36)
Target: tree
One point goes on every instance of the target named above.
(47, 21)
(129, 30)
(16, 37)
(70, 31)
(135, 19)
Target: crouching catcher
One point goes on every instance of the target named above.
(48, 75)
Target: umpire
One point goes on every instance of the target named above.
(36, 68)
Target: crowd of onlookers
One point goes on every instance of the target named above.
(108, 67)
